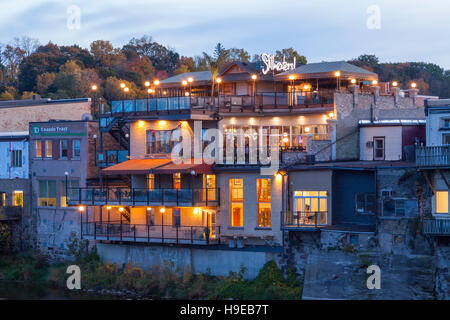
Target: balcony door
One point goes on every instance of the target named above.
(310, 207)
(209, 221)
(378, 148)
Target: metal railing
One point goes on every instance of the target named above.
(144, 197)
(302, 219)
(433, 156)
(111, 157)
(152, 233)
(436, 227)
(11, 213)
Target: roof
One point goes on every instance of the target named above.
(353, 165)
(136, 166)
(14, 134)
(392, 122)
(170, 168)
(200, 78)
(327, 69)
(35, 102)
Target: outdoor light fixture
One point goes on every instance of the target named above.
(141, 123)
(186, 94)
(306, 87)
(219, 80)
(395, 83)
(337, 74)
(81, 208)
(291, 77)
(190, 79)
(94, 87)
(306, 129)
(122, 85)
(285, 139)
(149, 209)
(353, 81)
(126, 89)
(162, 210)
(196, 211)
(108, 208)
(331, 114)
(254, 77)
(156, 82)
(121, 209)
(150, 91)
(374, 82)
(413, 85)
(147, 83)
(184, 83)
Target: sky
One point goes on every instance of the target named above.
(322, 30)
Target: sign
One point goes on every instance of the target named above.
(54, 131)
(272, 65)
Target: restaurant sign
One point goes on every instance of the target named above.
(272, 65)
(54, 131)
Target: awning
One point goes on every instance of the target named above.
(136, 166)
(199, 168)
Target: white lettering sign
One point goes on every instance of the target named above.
(271, 64)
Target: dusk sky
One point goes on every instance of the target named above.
(413, 30)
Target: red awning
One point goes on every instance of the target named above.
(137, 166)
(198, 168)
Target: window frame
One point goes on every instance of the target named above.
(14, 198)
(236, 202)
(48, 149)
(264, 221)
(47, 198)
(61, 156)
(74, 155)
(16, 158)
(365, 212)
(39, 154)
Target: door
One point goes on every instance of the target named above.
(378, 148)
(209, 221)
(310, 208)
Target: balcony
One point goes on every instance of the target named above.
(303, 220)
(431, 157)
(111, 157)
(145, 233)
(266, 101)
(144, 197)
(10, 213)
(436, 227)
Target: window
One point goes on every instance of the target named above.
(441, 202)
(236, 200)
(48, 149)
(310, 208)
(76, 148)
(150, 217)
(378, 148)
(2, 199)
(176, 217)
(150, 181)
(365, 203)
(18, 198)
(64, 149)
(399, 207)
(446, 139)
(38, 149)
(16, 158)
(159, 141)
(263, 197)
(209, 186)
(72, 191)
(446, 123)
(47, 193)
(177, 180)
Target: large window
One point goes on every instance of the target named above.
(263, 197)
(47, 193)
(16, 158)
(310, 208)
(177, 180)
(48, 149)
(399, 207)
(64, 149)
(38, 149)
(72, 191)
(159, 141)
(237, 202)
(76, 148)
(441, 202)
(18, 198)
(365, 203)
(209, 186)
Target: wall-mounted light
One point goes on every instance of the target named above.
(353, 81)
(81, 208)
(149, 209)
(337, 74)
(413, 85)
(306, 129)
(394, 83)
(108, 208)
(121, 209)
(141, 123)
(162, 210)
(374, 82)
(331, 115)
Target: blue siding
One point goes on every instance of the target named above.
(346, 183)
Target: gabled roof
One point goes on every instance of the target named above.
(327, 69)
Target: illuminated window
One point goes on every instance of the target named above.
(310, 208)
(150, 181)
(209, 186)
(263, 197)
(177, 180)
(18, 198)
(441, 201)
(2, 199)
(47, 193)
(72, 191)
(236, 200)
(48, 149)
(38, 148)
(159, 141)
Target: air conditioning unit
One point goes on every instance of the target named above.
(369, 144)
(386, 193)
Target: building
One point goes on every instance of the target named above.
(433, 162)
(286, 147)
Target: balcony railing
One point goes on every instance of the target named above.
(303, 219)
(144, 197)
(111, 157)
(438, 156)
(436, 227)
(151, 233)
(226, 103)
(10, 213)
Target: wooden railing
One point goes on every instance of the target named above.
(303, 219)
(436, 227)
(437, 156)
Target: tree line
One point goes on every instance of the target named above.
(62, 72)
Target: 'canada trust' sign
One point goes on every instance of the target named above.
(272, 65)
